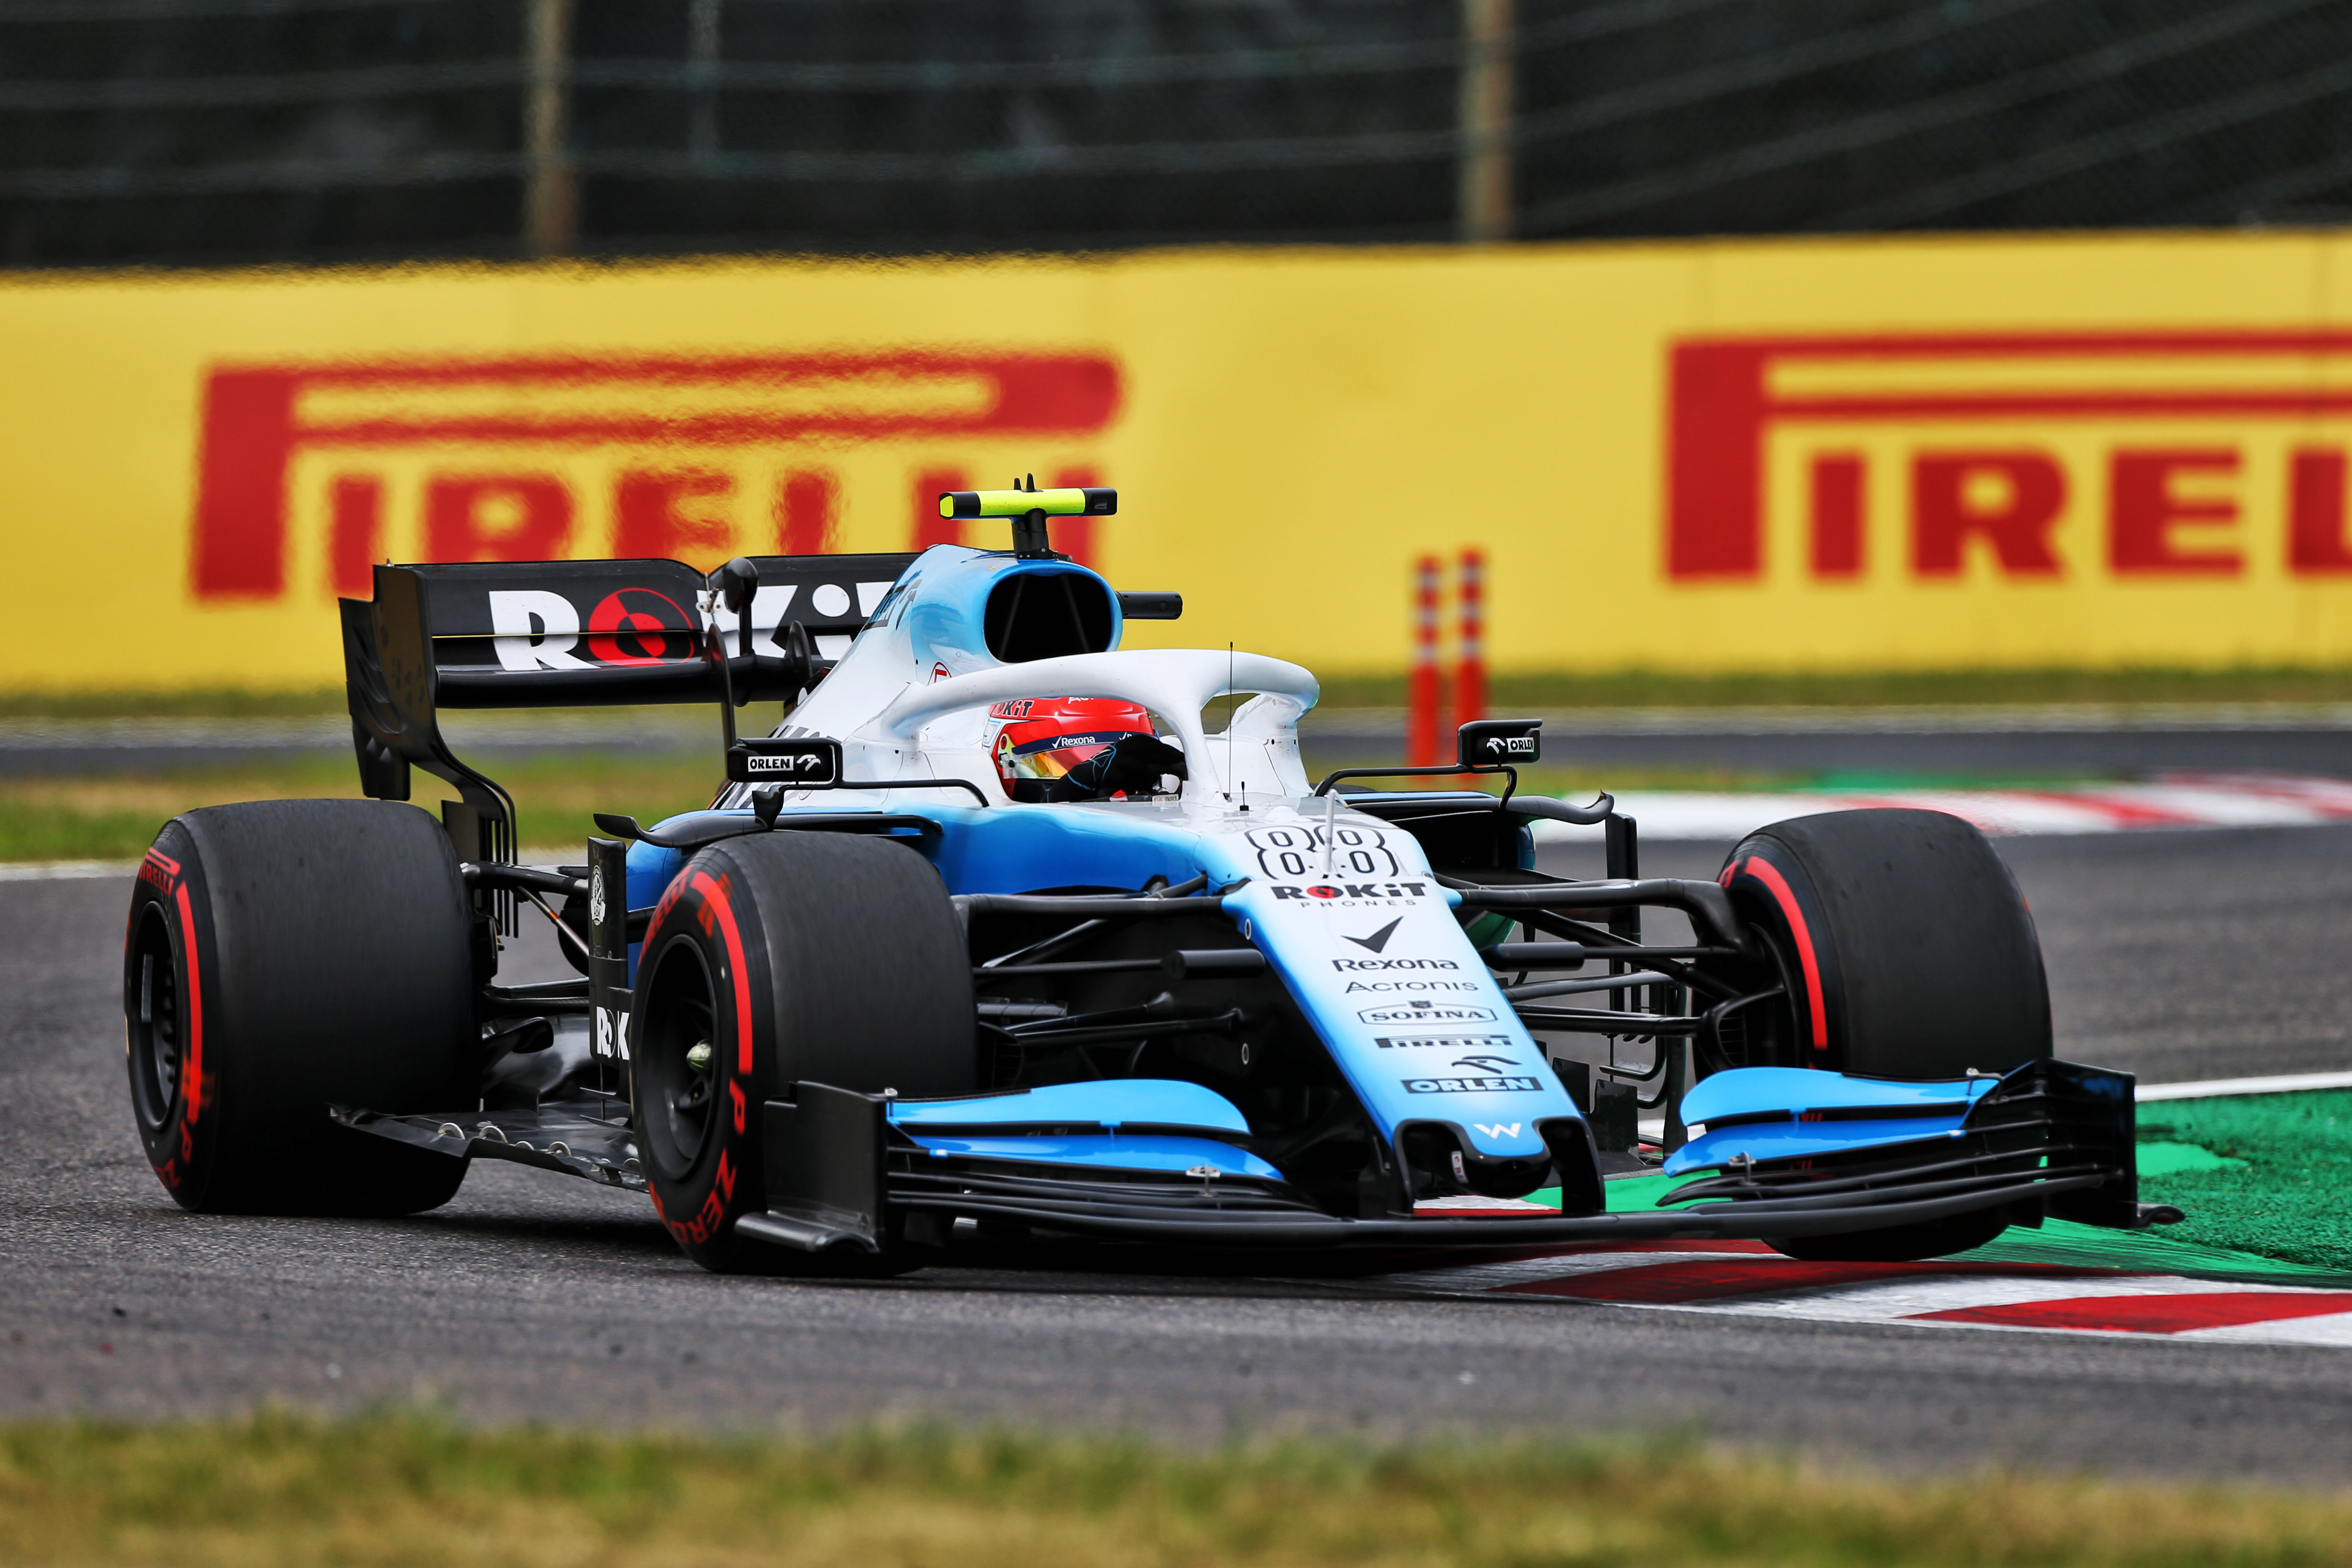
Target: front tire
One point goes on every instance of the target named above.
(1905, 948)
(282, 956)
(1907, 953)
(776, 958)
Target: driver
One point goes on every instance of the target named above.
(1080, 748)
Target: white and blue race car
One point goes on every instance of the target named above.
(1005, 934)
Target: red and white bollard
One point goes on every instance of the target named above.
(1423, 686)
(1470, 675)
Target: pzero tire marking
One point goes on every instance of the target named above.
(192, 1072)
(1786, 897)
(714, 892)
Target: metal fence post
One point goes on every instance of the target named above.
(1485, 122)
(702, 71)
(551, 202)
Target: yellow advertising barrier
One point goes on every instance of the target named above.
(1869, 454)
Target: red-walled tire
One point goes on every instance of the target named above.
(282, 956)
(793, 957)
(1906, 948)
(1907, 953)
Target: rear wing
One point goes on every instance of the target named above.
(550, 634)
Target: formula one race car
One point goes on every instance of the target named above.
(995, 936)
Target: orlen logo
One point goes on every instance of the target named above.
(805, 764)
(548, 456)
(2139, 457)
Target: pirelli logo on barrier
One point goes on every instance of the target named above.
(337, 465)
(2128, 457)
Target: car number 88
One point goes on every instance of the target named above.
(1295, 852)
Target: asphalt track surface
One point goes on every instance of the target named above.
(2043, 743)
(2185, 954)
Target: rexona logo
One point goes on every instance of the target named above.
(621, 454)
(2131, 456)
(1345, 964)
(1427, 1012)
(1507, 1085)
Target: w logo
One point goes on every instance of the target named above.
(1499, 1130)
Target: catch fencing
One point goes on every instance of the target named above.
(228, 130)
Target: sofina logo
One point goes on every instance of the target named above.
(2134, 457)
(1427, 1012)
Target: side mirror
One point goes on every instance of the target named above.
(802, 762)
(1500, 742)
(735, 584)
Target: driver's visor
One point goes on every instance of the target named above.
(1054, 756)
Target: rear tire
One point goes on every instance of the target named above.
(1907, 953)
(282, 956)
(791, 957)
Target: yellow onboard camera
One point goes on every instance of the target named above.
(1029, 508)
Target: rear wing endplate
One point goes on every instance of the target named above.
(560, 634)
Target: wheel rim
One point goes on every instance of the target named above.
(1768, 1033)
(152, 1007)
(678, 1077)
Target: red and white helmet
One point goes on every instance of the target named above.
(1080, 748)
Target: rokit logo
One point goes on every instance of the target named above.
(1421, 1012)
(1503, 1085)
(1350, 895)
(534, 629)
(1443, 1042)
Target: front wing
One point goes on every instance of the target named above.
(2058, 1141)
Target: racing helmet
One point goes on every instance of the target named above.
(1080, 748)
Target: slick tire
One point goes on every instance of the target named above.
(1907, 953)
(280, 957)
(1905, 946)
(775, 959)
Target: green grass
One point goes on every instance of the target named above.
(201, 702)
(2287, 1199)
(1660, 689)
(406, 1489)
(113, 817)
(2261, 1177)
